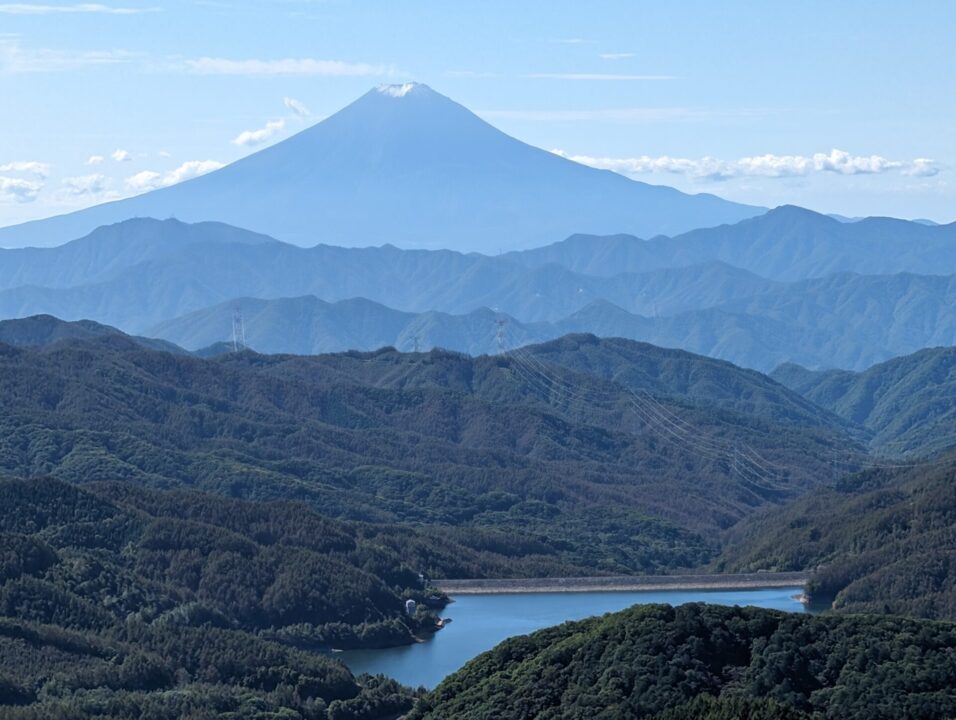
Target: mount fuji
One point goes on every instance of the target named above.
(406, 165)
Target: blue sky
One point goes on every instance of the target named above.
(843, 107)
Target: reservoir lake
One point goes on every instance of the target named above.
(479, 622)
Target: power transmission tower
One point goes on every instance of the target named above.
(238, 332)
(500, 334)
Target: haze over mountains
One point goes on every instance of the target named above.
(735, 292)
(406, 165)
(787, 243)
(403, 166)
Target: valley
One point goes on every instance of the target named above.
(620, 387)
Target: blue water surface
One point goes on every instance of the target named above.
(479, 622)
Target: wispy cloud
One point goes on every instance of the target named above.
(251, 138)
(922, 167)
(768, 166)
(286, 66)
(298, 109)
(120, 155)
(616, 56)
(15, 59)
(96, 186)
(95, 160)
(272, 128)
(32, 167)
(37, 9)
(19, 190)
(599, 77)
(151, 179)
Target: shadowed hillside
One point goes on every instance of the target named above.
(907, 403)
(123, 602)
(599, 474)
(881, 541)
(698, 661)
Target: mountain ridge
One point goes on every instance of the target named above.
(906, 402)
(787, 243)
(416, 169)
(177, 274)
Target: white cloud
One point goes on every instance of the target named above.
(19, 190)
(16, 60)
(95, 160)
(272, 128)
(164, 154)
(120, 155)
(251, 138)
(597, 76)
(31, 167)
(145, 180)
(922, 167)
(836, 161)
(770, 166)
(191, 169)
(286, 66)
(95, 185)
(616, 56)
(707, 167)
(35, 9)
(150, 179)
(297, 108)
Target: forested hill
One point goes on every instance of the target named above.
(121, 602)
(682, 376)
(45, 330)
(880, 541)
(605, 479)
(705, 662)
(908, 403)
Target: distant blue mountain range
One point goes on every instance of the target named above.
(802, 288)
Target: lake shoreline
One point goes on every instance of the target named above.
(623, 583)
(482, 621)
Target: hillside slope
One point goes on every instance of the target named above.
(406, 165)
(908, 403)
(44, 330)
(880, 541)
(434, 438)
(657, 661)
(140, 603)
(682, 377)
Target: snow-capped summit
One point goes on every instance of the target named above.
(423, 172)
(404, 89)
